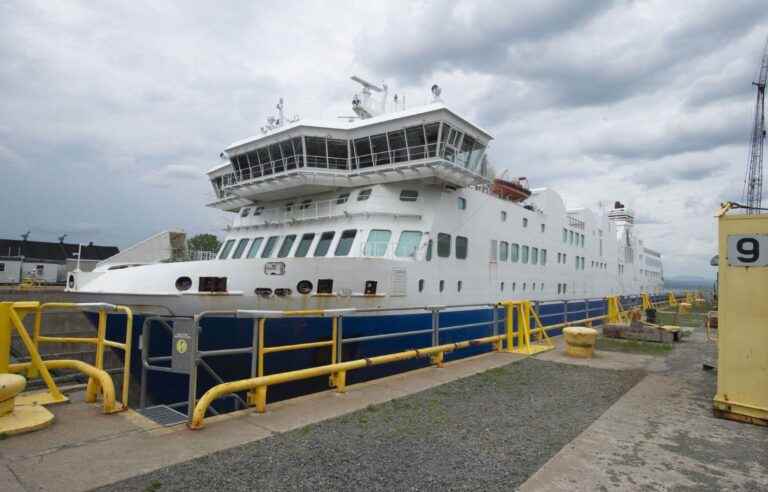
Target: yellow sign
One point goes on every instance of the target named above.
(181, 346)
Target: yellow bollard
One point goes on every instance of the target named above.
(580, 341)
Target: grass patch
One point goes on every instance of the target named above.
(632, 346)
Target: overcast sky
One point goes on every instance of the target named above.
(110, 112)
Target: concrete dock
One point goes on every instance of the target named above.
(499, 421)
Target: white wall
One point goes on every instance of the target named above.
(49, 274)
(10, 271)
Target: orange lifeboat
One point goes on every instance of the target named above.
(515, 191)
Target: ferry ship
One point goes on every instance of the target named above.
(392, 208)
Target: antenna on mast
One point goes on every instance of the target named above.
(363, 107)
(753, 181)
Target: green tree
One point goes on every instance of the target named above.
(203, 242)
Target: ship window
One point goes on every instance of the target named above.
(443, 245)
(461, 247)
(397, 145)
(442, 285)
(257, 211)
(285, 248)
(533, 285)
(458, 286)
(467, 151)
(345, 242)
(244, 212)
(415, 137)
(429, 250)
(342, 198)
(337, 154)
(324, 243)
(431, 131)
(408, 243)
(504, 251)
(525, 222)
(271, 242)
(559, 288)
(501, 287)
(565, 288)
(565, 258)
(409, 195)
(364, 195)
(421, 285)
(525, 254)
(305, 204)
(240, 248)
(287, 149)
(316, 152)
(289, 206)
(543, 257)
(570, 237)
(2, 267)
(378, 240)
(298, 151)
(534, 256)
(304, 244)
(363, 152)
(263, 155)
(254, 249)
(462, 203)
(565, 235)
(226, 249)
(524, 285)
(515, 254)
(380, 149)
(543, 227)
(514, 286)
(503, 216)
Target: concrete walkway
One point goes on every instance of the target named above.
(86, 449)
(661, 436)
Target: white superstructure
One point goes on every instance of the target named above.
(387, 209)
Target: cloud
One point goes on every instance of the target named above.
(113, 110)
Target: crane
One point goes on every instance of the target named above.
(753, 181)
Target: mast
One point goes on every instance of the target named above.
(753, 181)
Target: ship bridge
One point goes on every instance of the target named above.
(309, 157)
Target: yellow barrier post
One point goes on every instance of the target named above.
(92, 388)
(647, 303)
(672, 299)
(5, 336)
(615, 311)
(524, 312)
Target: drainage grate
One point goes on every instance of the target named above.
(163, 415)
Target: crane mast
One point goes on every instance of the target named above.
(753, 181)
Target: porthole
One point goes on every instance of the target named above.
(304, 287)
(263, 291)
(282, 292)
(182, 283)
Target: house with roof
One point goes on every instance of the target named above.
(48, 262)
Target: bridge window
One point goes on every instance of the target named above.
(409, 195)
(364, 195)
(345, 242)
(305, 204)
(397, 145)
(317, 155)
(378, 241)
(415, 138)
(257, 211)
(270, 246)
(304, 244)
(244, 212)
(254, 249)
(363, 152)
(515, 252)
(461, 247)
(380, 149)
(226, 249)
(324, 243)
(342, 198)
(431, 130)
(408, 243)
(240, 248)
(285, 248)
(337, 154)
(443, 245)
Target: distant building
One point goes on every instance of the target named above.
(48, 262)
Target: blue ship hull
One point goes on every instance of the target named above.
(228, 332)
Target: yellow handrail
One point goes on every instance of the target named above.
(39, 368)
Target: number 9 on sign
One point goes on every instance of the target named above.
(748, 250)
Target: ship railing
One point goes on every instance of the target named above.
(100, 382)
(521, 320)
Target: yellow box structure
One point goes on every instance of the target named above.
(742, 369)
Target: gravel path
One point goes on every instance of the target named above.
(490, 431)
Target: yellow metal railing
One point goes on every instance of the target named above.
(99, 381)
(525, 312)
